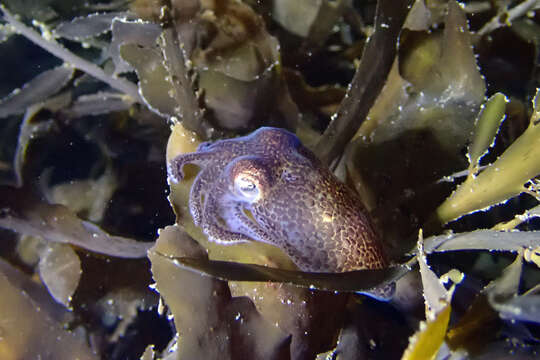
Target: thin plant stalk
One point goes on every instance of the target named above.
(79, 63)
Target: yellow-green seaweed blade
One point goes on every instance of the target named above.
(487, 125)
(501, 180)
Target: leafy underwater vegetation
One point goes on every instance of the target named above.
(434, 120)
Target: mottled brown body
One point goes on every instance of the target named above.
(268, 187)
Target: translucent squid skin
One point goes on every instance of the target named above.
(268, 187)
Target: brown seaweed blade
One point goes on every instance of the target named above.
(23, 212)
(30, 332)
(358, 281)
(211, 323)
(368, 81)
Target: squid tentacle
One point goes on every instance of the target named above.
(215, 231)
(196, 195)
(251, 226)
(175, 167)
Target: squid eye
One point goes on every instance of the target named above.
(247, 188)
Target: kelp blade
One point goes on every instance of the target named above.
(354, 281)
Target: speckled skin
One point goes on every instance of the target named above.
(294, 201)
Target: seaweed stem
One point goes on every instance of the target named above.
(191, 113)
(368, 81)
(508, 16)
(517, 220)
(59, 51)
